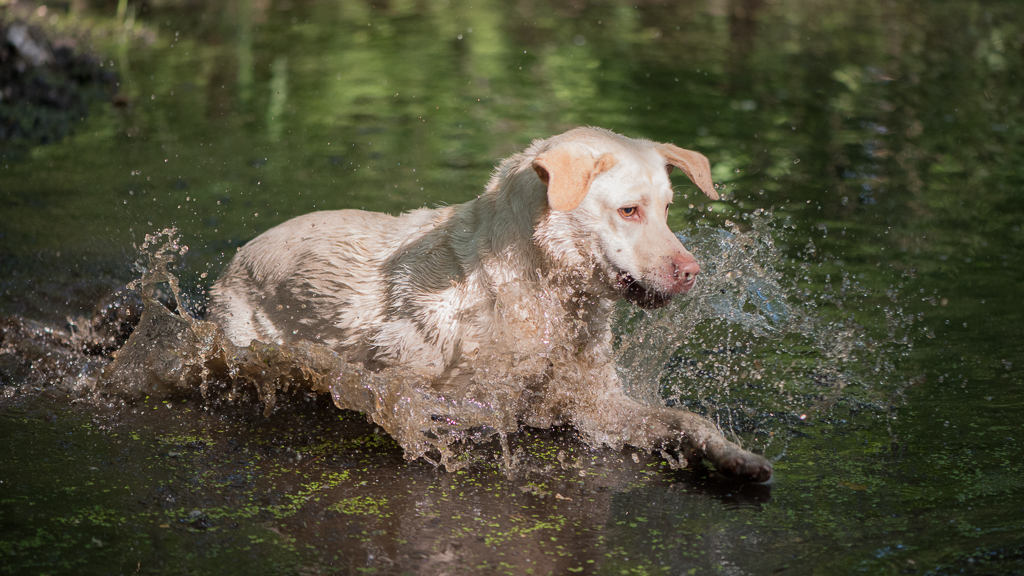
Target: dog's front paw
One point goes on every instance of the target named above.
(742, 464)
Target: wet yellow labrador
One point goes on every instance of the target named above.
(510, 292)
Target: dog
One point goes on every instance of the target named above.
(514, 290)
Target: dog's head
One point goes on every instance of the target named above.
(609, 197)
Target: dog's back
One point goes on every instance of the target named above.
(314, 278)
(384, 290)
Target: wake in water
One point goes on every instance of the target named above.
(745, 348)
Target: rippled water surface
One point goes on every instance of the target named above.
(858, 318)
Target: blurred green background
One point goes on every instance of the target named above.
(886, 137)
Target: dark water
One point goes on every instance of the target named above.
(872, 346)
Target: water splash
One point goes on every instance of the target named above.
(753, 349)
(747, 347)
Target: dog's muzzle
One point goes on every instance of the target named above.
(639, 293)
(684, 276)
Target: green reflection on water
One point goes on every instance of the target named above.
(887, 137)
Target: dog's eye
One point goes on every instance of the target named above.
(628, 211)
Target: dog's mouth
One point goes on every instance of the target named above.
(640, 294)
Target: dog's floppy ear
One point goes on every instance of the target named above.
(694, 164)
(568, 174)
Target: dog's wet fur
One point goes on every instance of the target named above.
(512, 291)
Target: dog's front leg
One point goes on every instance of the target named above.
(698, 434)
(614, 419)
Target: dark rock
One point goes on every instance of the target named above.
(45, 89)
